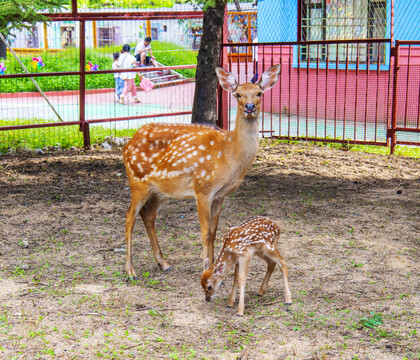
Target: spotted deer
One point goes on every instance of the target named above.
(258, 236)
(188, 160)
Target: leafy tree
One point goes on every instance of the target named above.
(21, 14)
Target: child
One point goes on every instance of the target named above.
(119, 83)
(128, 61)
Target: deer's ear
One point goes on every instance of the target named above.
(226, 80)
(269, 78)
(220, 269)
(206, 264)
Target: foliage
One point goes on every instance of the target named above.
(143, 4)
(373, 321)
(20, 14)
(68, 60)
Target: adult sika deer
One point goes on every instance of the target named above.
(258, 236)
(186, 160)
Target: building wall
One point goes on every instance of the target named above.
(336, 94)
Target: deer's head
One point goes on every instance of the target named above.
(248, 94)
(212, 278)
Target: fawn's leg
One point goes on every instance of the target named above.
(243, 271)
(138, 198)
(148, 213)
(270, 267)
(232, 298)
(279, 260)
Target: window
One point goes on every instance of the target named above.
(344, 20)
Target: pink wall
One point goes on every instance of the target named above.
(340, 95)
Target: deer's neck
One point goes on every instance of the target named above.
(245, 140)
(230, 258)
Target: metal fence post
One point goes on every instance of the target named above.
(84, 126)
(395, 52)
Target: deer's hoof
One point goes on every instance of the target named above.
(132, 278)
(288, 304)
(165, 268)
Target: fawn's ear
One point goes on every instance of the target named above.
(220, 269)
(269, 78)
(226, 80)
(206, 264)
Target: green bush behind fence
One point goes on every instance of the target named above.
(166, 53)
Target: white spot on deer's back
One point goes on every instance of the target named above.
(201, 147)
(201, 160)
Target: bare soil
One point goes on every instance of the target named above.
(350, 235)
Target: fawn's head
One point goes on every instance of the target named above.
(212, 278)
(248, 94)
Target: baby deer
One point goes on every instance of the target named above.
(257, 236)
(186, 160)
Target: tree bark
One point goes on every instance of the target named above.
(3, 51)
(205, 95)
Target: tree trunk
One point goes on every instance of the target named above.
(205, 96)
(3, 49)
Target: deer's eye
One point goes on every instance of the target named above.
(209, 287)
(237, 95)
(259, 94)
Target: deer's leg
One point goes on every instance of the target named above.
(148, 214)
(279, 260)
(270, 267)
(138, 198)
(216, 208)
(232, 298)
(204, 213)
(243, 271)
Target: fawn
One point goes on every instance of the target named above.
(187, 160)
(257, 236)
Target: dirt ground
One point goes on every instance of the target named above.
(350, 235)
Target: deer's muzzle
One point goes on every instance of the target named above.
(249, 108)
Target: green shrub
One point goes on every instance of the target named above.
(68, 60)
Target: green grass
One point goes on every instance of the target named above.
(49, 137)
(68, 60)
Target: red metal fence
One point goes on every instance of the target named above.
(78, 100)
(352, 92)
(405, 119)
(337, 91)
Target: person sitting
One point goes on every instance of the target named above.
(141, 52)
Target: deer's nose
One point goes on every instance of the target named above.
(208, 298)
(249, 107)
